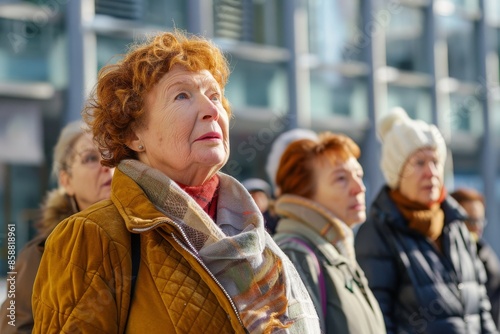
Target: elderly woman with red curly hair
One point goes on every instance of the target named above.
(180, 247)
(322, 196)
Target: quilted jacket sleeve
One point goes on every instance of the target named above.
(80, 285)
(375, 258)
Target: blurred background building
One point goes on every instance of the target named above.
(321, 64)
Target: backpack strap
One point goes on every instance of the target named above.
(310, 251)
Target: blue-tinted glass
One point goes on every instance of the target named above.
(497, 34)
(406, 49)
(333, 94)
(496, 93)
(255, 21)
(171, 13)
(467, 4)
(257, 85)
(26, 49)
(268, 22)
(466, 114)
(492, 10)
(495, 114)
(416, 101)
(335, 30)
(110, 49)
(461, 44)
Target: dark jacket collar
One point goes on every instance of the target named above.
(386, 210)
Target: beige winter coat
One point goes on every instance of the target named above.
(321, 247)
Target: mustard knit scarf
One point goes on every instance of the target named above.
(427, 220)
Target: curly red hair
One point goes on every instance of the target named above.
(118, 98)
(297, 165)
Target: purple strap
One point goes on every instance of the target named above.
(321, 278)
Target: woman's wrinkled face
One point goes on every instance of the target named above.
(85, 178)
(421, 179)
(184, 132)
(340, 189)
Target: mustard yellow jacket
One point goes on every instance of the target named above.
(84, 280)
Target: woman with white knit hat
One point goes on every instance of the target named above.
(414, 248)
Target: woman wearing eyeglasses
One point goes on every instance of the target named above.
(417, 254)
(473, 203)
(82, 181)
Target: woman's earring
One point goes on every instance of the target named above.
(141, 147)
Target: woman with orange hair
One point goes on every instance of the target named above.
(180, 247)
(322, 196)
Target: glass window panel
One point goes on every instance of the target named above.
(23, 195)
(257, 85)
(406, 48)
(492, 10)
(335, 95)
(469, 5)
(228, 20)
(26, 48)
(168, 14)
(462, 49)
(110, 49)
(495, 113)
(498, 49)
(496, 92)
(466, 114)
(416, 101)
(127, 10)
(256, 21)
(268, 22)
(335, 30)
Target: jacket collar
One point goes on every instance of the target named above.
(140, 214)
(133, 204)
(386, 210)
(319, 219)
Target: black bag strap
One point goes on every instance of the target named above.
(136, 259)
(135, 250)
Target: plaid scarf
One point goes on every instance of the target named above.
(259, 278)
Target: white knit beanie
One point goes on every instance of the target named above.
(401, 137)
(279, 146)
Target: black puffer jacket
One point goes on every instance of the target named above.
(419, 289)
(492, 265)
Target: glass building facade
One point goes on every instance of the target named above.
(321, 64)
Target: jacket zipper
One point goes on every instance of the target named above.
(190, 251)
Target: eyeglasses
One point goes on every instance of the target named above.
(89, 158)
(476, 221)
